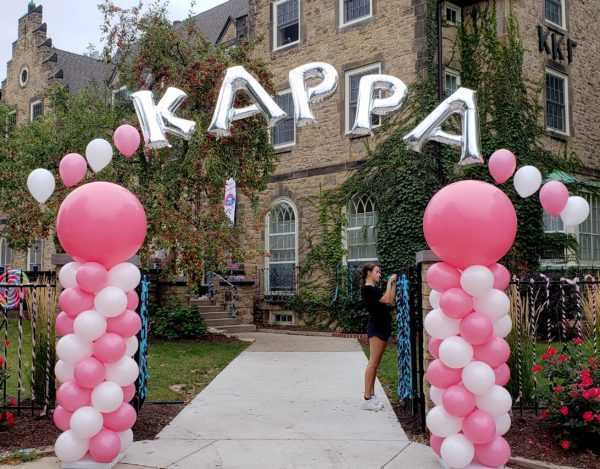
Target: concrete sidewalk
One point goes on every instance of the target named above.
(287, 402)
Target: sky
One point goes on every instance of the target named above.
(73, 24)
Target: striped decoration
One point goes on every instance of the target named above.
(404, 358)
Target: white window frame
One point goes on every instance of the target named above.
(567, 131)
(457, 10)
(563, 11)
(115, 93)
(453, 73)
(31, 105)
(357, 20)
(8, 114)
(276, 30)
(577, 230)
(22, 83)
(29, 256)
(289, 144)
(345, 258)
(347, 75)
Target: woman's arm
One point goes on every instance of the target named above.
(389, 297)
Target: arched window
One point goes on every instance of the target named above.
(281, 245)
(361, 232)
(5, 254)
(35, 255)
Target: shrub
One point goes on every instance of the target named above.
(176, 321)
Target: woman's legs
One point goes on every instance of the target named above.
(376, 348)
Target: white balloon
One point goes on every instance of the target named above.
(111, 301)
(478, 377)
(496, 401)
(456, 352)
(86, 422)
(502, 424)
(64, 372)
(440, 326)
(67, 273)
(527, 180)
(576, 211)
(89, 325)
(457, 451)
(107, 397)
(477, 280)
(436, 394)
(69, 448)
(125, 276)
(503, 326)
(72, 348)
(494, 304)
(441, 423)
(41, 184)
(434, 299)
(132, 346)
(123, 372)
(98, 154)
(126, 439)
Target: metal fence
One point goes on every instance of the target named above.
(277, 283)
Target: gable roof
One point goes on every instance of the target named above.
(211, 23)
(79, 71)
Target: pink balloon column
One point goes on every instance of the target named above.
(102, 225)
(470, 225)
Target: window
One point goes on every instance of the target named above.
(35, 255)
(5, 254)
(557, 102)
(284, 132)
(287, 23)
(553, 224)
(120, 97)
(589, 232)
(11, 122)
(282, 244)
(36, 110)
(361, 232)
(352, 82)
(24, 77)
(241, 28)
(451, 81)
(355, 10)
(555, 12)
(453, 14)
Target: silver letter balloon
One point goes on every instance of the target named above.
(304, 96)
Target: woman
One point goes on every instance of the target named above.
(379, 328)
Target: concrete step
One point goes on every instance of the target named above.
(208, 309)
(237, 328)
(222, 322)
(219, 315)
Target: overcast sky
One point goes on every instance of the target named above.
(73, 24)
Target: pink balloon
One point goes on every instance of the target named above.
(121, 419)
(126, 325)
(89, 373)
(92, 277)
(72, 397)
(132, 300)
(62, 418)
(436, 443)
(502, 165)
(72, 169)
(74, 301)
(456, 303)
(128, 393)
(501, 276)
(470, 223)
(442, 276)
(101, 222)
(105, 446)
(502, 374)
(476, 328)
(479, 427)
(442, 376)
(494, 352)
(64, 324)
(434, 347)
(109, 348)
(127, 140)
(495, 453)
(554, 196)
(458, 401)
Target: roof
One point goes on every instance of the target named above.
(569, 179)
(211, 22)
(80, 71)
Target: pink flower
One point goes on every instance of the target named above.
(573, 394)
(536, 368)
(549, 353)
(10, 419)
(564, 410)
(557, 389)
(565, 444)
(562, 358)
(588, 416)
(578, 341)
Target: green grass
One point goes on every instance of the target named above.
(12, 358)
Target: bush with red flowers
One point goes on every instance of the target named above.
(573, 395)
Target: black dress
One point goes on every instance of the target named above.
(380, 319)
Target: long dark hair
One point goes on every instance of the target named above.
(368, 267)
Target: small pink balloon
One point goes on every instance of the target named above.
(495, 453)
(458, 401)
(109, 348)
(502, 373)
(132, 300)
(442, 276)
(89, 373)
(92, 277)
(64, 324)
(442, 376)
(74, 301)
(62, 418)
(502, 165)
(121, 419)
(434, 347)
(554, 196)
(72, 397)
(436, 443)
(479, 427)
(105, 446)
(72, 169)
(126, 325)
(128, 393)
(476, 328)
(127, 140)
(456, 303)
(501, 276)
(494, 352)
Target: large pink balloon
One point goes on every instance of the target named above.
(62, 418)
(132, 300)
(458, 401)
(502, 374)
(479, 427)
(101, 222)
(436, 443)
(495, 453)
(105, 446)
(74, 301)
(128, 392)
(456, 303)
(494, 352)
(502, 165)
(434, 347)
(72, 169)
(127, 140)
(92, 277)
(470, 223)
(501, 276)
(442, 276)
(554, 196)
(476, 328)
(110, 348)
(126, 324)
(89, 373)
(64, 324)
(442, 376)
(72, 397)
(121, 419)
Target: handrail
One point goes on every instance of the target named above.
(234, 292)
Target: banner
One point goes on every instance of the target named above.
(230, 200)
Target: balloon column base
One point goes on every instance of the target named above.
(443, 465)
(88, 463)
